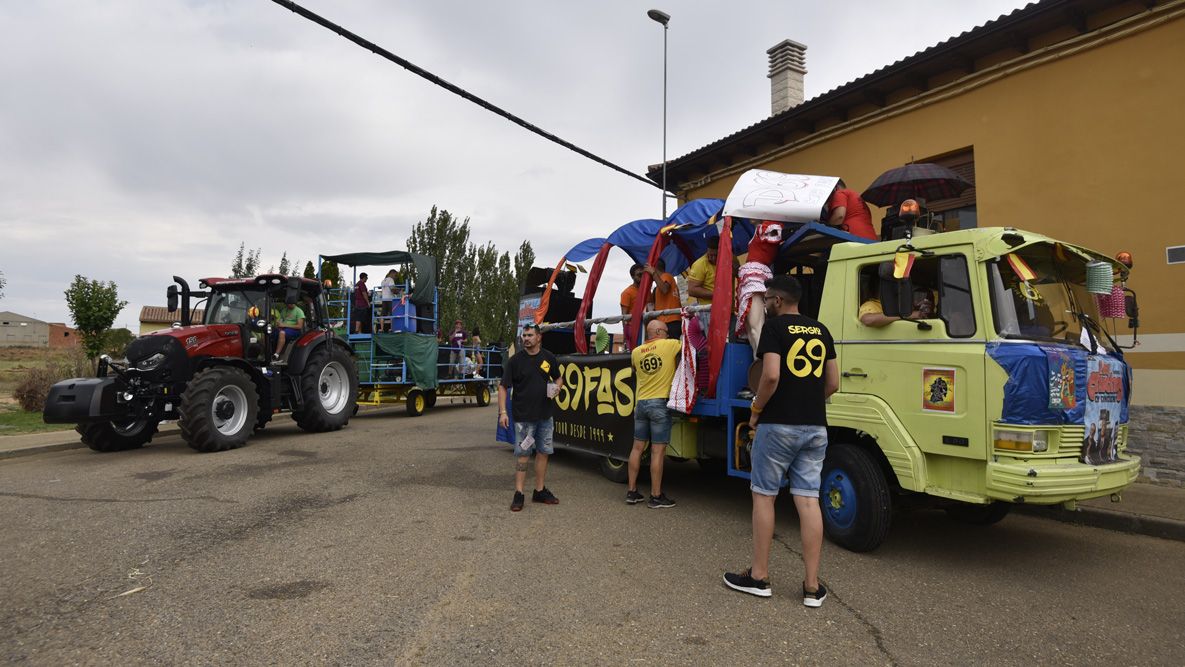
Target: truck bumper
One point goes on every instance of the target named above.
(82, 400)
(1051, 484)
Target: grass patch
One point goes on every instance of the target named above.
(14, 421)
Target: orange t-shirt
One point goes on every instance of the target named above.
(669, 300)
(628, 295)
(858, 219)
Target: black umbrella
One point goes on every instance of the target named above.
(918, 180)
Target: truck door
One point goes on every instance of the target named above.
(933, 380)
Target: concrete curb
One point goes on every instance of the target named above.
(1124, 522)
(40, 449)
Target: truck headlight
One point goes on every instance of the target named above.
(1020, 441)
(151, 363)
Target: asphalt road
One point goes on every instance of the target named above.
(391, 542)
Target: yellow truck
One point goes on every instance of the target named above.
(1006, 387)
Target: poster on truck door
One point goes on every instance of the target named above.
(1104, 405)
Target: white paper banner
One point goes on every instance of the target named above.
(770, 195)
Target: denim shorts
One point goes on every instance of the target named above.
(540, 433)
(778, 448)
(652, 421)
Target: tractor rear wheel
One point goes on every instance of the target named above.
(329, 390)
(219, 409)
(116, 437)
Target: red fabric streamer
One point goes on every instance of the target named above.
(590, 288)
(722, 294)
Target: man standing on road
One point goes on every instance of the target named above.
(654, 368)
(789, 412)
(534, 376)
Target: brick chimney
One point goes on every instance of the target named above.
(787, 65)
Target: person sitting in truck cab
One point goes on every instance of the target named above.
(872, 313)
(291, 323)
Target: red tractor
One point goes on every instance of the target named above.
(220, 379)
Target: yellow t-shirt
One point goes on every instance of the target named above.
(654, 368)
(705, 273)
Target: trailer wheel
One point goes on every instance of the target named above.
(482, 393)
(219, 409)
(614, 470)
(416, 403)
(329, 390)
(113, 437)
(979, 515)
(430, 398)
(855, 498)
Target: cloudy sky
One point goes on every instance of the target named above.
(145, 138)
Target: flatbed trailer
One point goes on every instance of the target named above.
(406, 365)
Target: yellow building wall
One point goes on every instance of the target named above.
(149, 327)
(1088, 147)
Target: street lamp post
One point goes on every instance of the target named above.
(664, 19)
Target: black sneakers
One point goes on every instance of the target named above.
(814, 599)
(633, 497)
(516, 505)
(544, 496)
(744, 583)
(660, 502)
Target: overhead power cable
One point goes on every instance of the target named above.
(415, 69)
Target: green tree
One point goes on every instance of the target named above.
(115, 342)
(284, 267)
(246, 262)
(309, 271)
(3, 282)
(93, 305)
(476, 284)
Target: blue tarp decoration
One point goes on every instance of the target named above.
(1027, 393)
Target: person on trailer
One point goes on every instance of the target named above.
(361, 309)
(478, 356)
(654, 365)
(701, 277)
(789, 413)
(666, 297)
(849, 212)
(533, 375)
(291, 323)
(388, 298)
(456, 341)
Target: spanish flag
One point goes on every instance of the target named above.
(1021, 268)
(902, 265)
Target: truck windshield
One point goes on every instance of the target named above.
(234, 307)
(1043, 296)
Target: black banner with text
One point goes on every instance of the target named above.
(594, 410)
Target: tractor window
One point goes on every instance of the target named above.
(234, 307)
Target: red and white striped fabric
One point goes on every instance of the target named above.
(752, 277)
(683, 390)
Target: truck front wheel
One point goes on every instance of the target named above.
(219, 409)
(116, 437)
(855, 498)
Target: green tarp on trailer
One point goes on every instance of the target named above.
(418, 352)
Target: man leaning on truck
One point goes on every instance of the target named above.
(798, 373)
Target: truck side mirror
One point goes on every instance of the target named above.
(896, 294)
(171, 295)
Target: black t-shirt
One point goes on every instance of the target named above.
(804, 346)
(527, 376)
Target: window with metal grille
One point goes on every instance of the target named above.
(956, 212)
(1175, 254)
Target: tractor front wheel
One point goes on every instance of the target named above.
(116, 437)
(219, 409)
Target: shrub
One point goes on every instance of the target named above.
(33, 389)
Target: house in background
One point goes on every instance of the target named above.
(18, 330)
(155, 318)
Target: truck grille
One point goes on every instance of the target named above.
(1071, 436)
